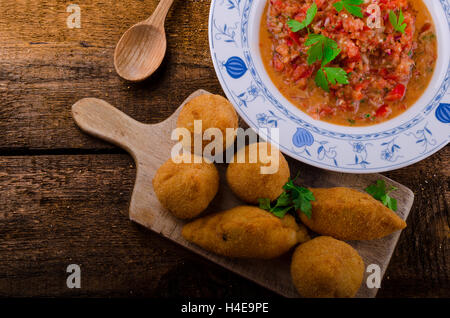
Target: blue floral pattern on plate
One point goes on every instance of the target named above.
(301, 137)
(443, 113)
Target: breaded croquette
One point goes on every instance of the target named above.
(348, 214)
(245, 232)
(214, 111)
(246, 179)
(326, 267)
(186, 189)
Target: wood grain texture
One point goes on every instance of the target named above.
(47, 67)
(55, 210)
(59, 210)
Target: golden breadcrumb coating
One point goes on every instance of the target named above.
(247, 181)
(186, 189)
(245, 232)
(348, 214)
(326, 267)
(214, 111)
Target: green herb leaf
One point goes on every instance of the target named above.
(391, 203)
(283, 200)
(315, 53)
(294, 198)
(280, 211)
(314, 38)
(321, 80)
(330, 51)
(316, 43)
(264, 203)
(332, 75)
(321, 48)
(339, 6)
(380, 193)
(397, 23)
(352, 7)
(336, 75)
(356, 11)
(296, 26)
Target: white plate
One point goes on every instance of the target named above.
(416, 134)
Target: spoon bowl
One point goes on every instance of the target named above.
(141, 49)
(140, 52)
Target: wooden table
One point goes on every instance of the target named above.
(64, 195)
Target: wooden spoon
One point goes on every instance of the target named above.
(141, 49)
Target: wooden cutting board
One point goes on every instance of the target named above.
(150, 146)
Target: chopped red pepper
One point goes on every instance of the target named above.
(383, 112)
(397, 93)
(295, 36)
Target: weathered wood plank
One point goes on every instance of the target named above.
(57, 210)
(424, 249)
(47, 67)
(60, 210)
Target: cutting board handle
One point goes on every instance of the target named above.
(98, 118)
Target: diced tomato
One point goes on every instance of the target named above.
(278, 4)
(302, 71)
(345, 107)
(301, 15)
(425, 27)
(320, 3)
(352, 51)
(357, 93)
(388, 75)
(279, 66)
(326, 110)
(383, 112)
(397, 93)
(295, 36)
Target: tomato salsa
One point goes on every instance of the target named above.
(387, 67)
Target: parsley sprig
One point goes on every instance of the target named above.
(326, 50)
(397, 23)
(293, 198)
(352, 7)
(321, 48)
(381, 193)
(296, 26)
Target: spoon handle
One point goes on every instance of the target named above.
(159, 16)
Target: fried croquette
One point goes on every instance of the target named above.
(326, 267)
(245, 232)
(348, 214)
(214, 111)
(246, 179)
(186, 189)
